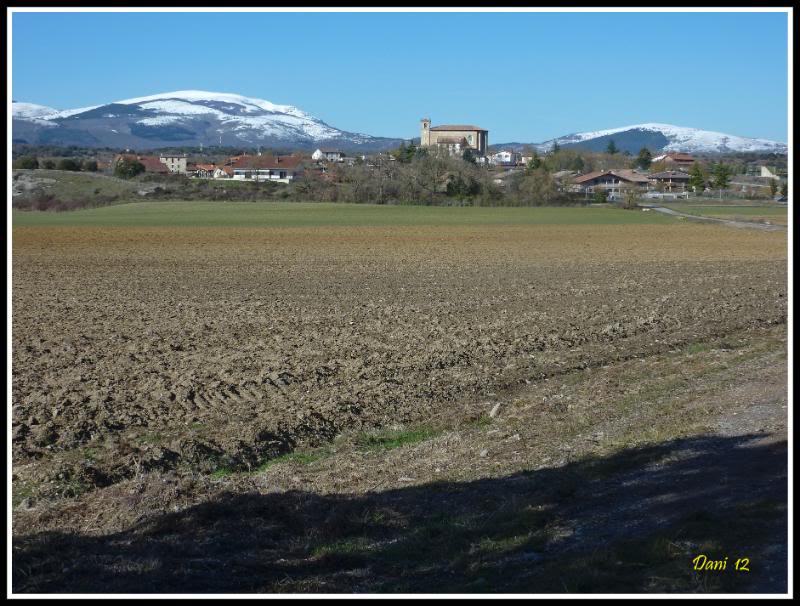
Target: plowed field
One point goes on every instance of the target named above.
(217, 349)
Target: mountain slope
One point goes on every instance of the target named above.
(184, 118)
(659, 137)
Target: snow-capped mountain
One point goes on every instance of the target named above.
(661, 137)
(186, 117)
(22, 111)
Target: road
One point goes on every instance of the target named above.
(729, 222)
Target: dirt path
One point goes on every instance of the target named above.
(728, 222)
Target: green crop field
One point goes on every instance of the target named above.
(302, 214)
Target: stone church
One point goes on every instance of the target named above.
(455, 138)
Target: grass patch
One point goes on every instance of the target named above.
(222, 472)
(387, 440)
(695, 348)
(150, 438)
(302, 458)
(480, 422)
(346, 547)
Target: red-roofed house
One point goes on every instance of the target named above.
(205, 171)
(677, 158)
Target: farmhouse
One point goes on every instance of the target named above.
(670, 180)
(676, 158)
(331, 155)
(454, 138)
(612, 181)
(281, 169)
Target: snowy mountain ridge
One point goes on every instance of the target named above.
(192, 117)
(187, 117)
(672, 138)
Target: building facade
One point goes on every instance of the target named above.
(670, 180)
(175, 163)
(613, 182)
(454, 138)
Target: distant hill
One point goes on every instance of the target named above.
(185, 118)
(657, 137)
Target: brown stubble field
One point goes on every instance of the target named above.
(207, 352)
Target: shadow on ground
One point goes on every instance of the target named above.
(631, 522)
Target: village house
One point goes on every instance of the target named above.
(505, 157)
(670, 180)
(454, 138)
(205, 171)
(280, 169)
(223, 172)
(677, 158)
(612, 181)
(175, 163)
(329, 155)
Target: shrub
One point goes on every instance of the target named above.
(600, 195)
(28, 162)
(631, 198)
(90, 166)
(127, 168)
(69, 164)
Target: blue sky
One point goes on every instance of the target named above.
(524, 76)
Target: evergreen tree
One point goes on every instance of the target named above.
(722, 175)
(535, 162)
(612, 147)
(644, 159)
(556, 147)
(697, 178)
(773, 188)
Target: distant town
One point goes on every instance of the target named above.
(450, 163)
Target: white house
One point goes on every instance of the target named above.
(331, 155)
(281, 169)
(505, 158)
